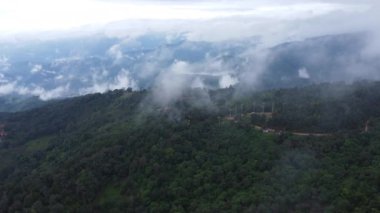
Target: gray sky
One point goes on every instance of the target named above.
(39, 15)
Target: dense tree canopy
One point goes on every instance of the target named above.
(119, 152)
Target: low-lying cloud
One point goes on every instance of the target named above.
(250, 44)
(121, 81)
(36, 68)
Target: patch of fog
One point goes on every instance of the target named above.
(36, 68)
(4, 64)
(123, 80)
(227, 81)
(197, 83)
(303, 73)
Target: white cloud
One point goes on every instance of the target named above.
(42, 93)
(25, 15)
(4, 64)
(99, 85)
(122, 81)
(170, 84)
(36, 68)
(59, 77)
(7, 88)
(268, 22)
(303, 73)
(3, 79)
(254, 64)
(64, 61)
(116, 53)
(60, 91)
(227, 81)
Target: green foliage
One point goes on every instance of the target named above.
(118, 153)
(39, 144)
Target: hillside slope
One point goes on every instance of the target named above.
(119, 152)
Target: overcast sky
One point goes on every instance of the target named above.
(36, 15)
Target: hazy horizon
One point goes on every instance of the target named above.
(67, 48)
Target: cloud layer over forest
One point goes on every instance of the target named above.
(205, 44)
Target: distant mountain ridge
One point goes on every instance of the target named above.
(71, 67)
(14, 103)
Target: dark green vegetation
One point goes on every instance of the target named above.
(118, 152)
(326, 108)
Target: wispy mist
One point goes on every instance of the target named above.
(202, 44)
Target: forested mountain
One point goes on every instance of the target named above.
(123, 152)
